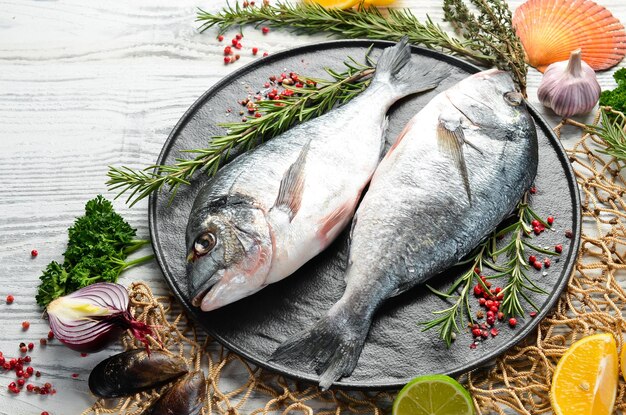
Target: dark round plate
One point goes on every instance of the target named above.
(397, 349)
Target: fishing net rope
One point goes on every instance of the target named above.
(519, 381)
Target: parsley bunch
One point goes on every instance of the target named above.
(616, 98)
(99, 243)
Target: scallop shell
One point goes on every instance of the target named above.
(551, 29)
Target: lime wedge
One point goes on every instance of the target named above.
(433, 395)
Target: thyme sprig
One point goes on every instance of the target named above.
(278, 115)
(364, 22)
(514, 268)
(491, 32)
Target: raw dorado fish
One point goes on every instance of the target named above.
(456, 171)
(272, 209)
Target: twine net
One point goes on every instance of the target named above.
(518, 382)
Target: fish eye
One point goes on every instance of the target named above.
(204, 244)
(514, 98)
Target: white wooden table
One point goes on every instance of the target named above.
(84, 85)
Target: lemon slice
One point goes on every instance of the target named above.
(378, 2)
(585, 380)
(622, 358)
(433, 395)
(338, 4)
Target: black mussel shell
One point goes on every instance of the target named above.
(186, 397)
(134, 371)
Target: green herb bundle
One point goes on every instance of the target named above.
(487, 38)
(513, 268)
(616, 98)
(99, 243)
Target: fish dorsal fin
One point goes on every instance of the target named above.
(451, 139)
(292, 185)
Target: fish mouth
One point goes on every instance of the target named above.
(201, 293)
(198, 292)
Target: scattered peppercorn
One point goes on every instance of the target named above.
(25, 325)
(547, 262)
(226, 59)
(512, 322)
(265, 54)
(31, 346)
(50, 335)
(34, 253)
(75, 375)
(558, 248)
(43, 342)
(533, 190)
(10, 299)
(265, 30)
(533, 314)
(569, 234)
(255, 50)
(550, 220)
(220, 38)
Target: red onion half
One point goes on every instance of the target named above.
(93, 317)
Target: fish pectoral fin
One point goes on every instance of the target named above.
(451, 139)
(292, 185)
(330, 221)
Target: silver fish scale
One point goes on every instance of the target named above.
(416, 220)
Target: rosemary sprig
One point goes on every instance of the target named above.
(514, 267)
(278, 116)
(491, 32)
(612, 131)
(448, 319)
(364, 22)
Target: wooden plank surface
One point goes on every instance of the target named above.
(84, 85)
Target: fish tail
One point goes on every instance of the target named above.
(395, 68)
(333, 345)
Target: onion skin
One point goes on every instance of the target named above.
(134, 371)
(90, 319)
(186, 397)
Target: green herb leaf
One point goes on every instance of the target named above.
(616, 98)
(99, 243)
(513, 268)
(278, 115)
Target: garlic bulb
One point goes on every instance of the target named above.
(569, 87)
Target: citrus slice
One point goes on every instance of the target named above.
(585, 380)
(378, 2)
(433, 395)
(622, 358)
(338, 4)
